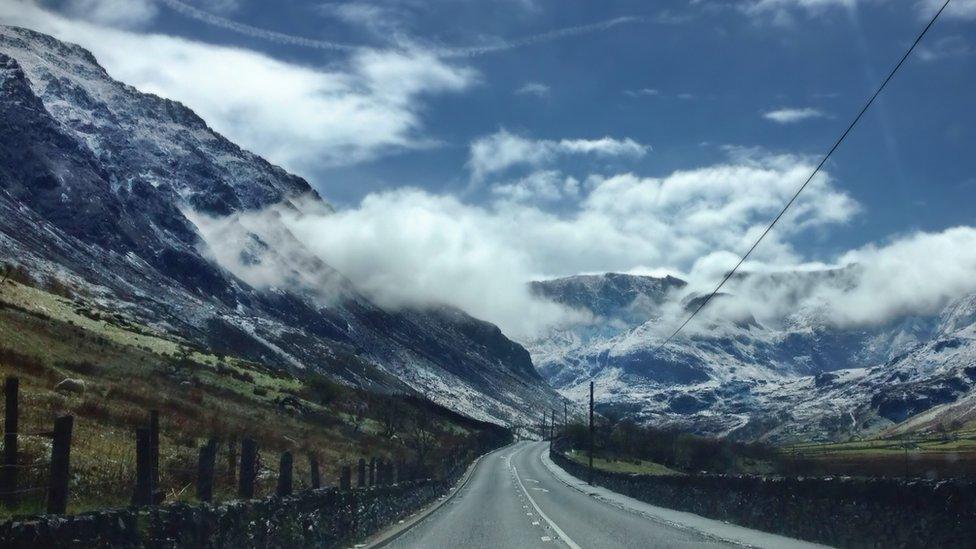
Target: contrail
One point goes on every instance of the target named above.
(557, 34)
(470, 51)
(255, 32)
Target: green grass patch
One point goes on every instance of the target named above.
(637, 466)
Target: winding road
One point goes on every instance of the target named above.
(515, 497)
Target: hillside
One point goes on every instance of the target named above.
(103, 189)
(128, 369)
(803, 379)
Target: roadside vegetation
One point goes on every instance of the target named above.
(121, 370)
(621, 465)
(620, 445)
(623, 446)
(946, 454)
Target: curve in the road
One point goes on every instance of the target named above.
(513, 500)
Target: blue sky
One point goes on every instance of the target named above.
(586, 136)
(714, 70)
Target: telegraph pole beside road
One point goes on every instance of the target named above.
(590, 479)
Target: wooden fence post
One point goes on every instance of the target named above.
(284, 474)
(143, 494)
(248, 470)
(232, 459)
(361, 481)
(380, 477)
(372, 471)
(205, 470)
(8, 483)
(345, 478)
(154, 446)
(57, 494)
(313, 466)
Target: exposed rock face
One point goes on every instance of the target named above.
(70, 385)
(804, 378)
(98, 184)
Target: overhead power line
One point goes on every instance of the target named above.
(816, 170)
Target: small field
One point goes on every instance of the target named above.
(944, 456)
(622, 465)
(128, 370)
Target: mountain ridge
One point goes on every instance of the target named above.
(102, 198)
(804, 379)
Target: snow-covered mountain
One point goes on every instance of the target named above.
(804, 377)
(100, 186)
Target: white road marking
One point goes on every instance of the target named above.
(572, 544)
(535, 523)
(541, 490)
(546, 538)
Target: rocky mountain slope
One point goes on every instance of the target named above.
(100, 186)
(803, 378)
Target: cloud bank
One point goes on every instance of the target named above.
(413, 248)
(409, 247)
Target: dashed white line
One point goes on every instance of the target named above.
(572, 544)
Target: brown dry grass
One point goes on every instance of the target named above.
(198, 397)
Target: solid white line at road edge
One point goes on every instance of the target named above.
(562, 535)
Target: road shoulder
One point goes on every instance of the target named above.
(678, 519)
(394, 531)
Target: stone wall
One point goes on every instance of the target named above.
(315, 518)
(843, 512)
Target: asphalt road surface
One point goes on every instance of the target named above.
(512, 499)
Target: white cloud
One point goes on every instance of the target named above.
(790, 116)
(541, 186)
(502, 150)
(643, 92)
(408, 247)
(537, 89)
(118, 13)
(411, 248)
(914, 274)
(295, 115)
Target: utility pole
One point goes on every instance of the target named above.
(590, 480)
(565, 418)
(552, 424)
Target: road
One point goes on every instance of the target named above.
(513, 499)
